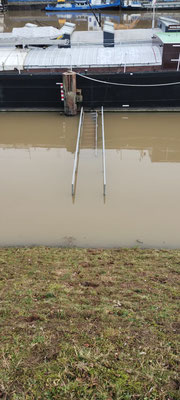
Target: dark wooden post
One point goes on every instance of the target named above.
(69, 84)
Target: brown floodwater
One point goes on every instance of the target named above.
(37, 151)
(142, 204)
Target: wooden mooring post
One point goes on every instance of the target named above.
(70, 101)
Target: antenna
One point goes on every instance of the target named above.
(98, 20)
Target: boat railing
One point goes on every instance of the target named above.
(138, 42)
(46, 42)
(23, 42)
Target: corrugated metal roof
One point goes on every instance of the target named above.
(93, 56)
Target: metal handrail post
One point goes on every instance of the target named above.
(77, 151)
(96, 133)
(103, 151)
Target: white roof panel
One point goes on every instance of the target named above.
(36, 31)
(93, 56)
(120, 36)
(11, 58)
(4, 54)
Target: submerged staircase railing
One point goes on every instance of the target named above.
(87, 138)
(77, 151)
(103, 153)
(96, 127)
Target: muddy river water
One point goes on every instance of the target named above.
(142, 205)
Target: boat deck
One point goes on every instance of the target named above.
(78, 38)
(132, 48)
(89, 57)
(120, 36)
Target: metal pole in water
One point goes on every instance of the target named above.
(178, 63)
(103, 151)
(96, 132)
(77, 151)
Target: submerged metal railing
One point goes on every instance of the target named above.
(103, 153)
(78, 149)
(76, 152)
(96, 133)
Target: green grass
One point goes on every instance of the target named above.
(89, 324)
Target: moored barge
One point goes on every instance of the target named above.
(83, 5)
(115, 69)
(144, 5)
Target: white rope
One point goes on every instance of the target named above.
(127, 84)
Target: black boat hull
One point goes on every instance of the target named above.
(40, 91)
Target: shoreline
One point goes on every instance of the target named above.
(89, 324)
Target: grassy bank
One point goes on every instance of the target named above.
(89, 324)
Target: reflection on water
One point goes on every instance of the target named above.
(143, 190)
(83, 20)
